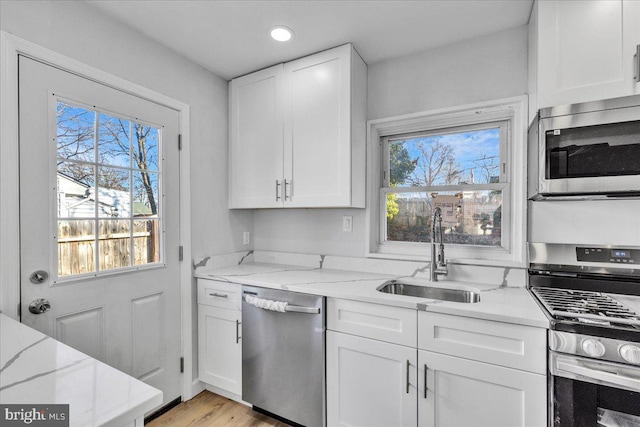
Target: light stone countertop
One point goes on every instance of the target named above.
(503, 303)
(36, 369)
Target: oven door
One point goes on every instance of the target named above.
(590, 153)
(587, 392)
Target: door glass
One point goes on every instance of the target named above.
(108, 192)
(604, 150)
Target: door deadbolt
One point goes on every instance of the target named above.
(39, 306)
(38, 277)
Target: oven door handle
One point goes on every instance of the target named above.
(564, 365)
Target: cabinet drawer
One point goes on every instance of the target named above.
(391, 324)
(504, 344)
(220, 294)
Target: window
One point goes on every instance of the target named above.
(107, 185)
(468, 162)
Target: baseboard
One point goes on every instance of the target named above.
(227, 394)
(197, 387)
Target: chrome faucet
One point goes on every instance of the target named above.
(439, 265)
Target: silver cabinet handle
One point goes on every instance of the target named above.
(425, 380)
(636, 64)
(408, 366)
(219, 295)
(278, 190)
(286, 195)
(238, 323)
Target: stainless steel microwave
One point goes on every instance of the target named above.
(588, 150)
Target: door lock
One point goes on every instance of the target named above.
(39, 306)
(38, 277)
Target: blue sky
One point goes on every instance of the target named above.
(467, 147)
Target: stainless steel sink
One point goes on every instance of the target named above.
(397, 287)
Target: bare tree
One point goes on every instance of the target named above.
(117, 131)
(76, 129)
(489, 166)
(436, 164)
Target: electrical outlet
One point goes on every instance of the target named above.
(347, 223)
(246, 238)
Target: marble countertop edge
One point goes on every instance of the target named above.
(503, 303)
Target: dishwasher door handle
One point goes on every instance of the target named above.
(299, 309)
(287, 308)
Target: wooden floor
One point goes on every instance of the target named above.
(208, 409)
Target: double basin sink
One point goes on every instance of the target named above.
(399, 287)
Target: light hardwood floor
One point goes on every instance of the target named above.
(212, 410)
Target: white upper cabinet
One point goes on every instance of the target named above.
(582, 51)
(255, 149)
(297, 134)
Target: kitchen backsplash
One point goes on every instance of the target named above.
(502, 276)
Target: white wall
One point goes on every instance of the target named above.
(82, 32)
(486, 68)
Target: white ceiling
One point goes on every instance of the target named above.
(230, 37)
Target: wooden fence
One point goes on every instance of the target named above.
(77, 245)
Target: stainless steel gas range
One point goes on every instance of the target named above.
(591, 294)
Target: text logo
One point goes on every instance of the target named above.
(34, 415)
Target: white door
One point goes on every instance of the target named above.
(462, 392)
(370, 383)
(99, 199)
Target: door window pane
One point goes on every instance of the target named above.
(146, 241)
(145, 193)
(114, 244)
(145, 147)
(76, 247)
(75, 132)
(114, 192)
(108, 180)
(113, 141)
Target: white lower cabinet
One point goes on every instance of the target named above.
(220, 349)
(219, 335)
(462, 392)
(369, 382)
(478, 373)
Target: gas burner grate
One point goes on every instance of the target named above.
(586, 306)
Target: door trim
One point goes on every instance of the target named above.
(12, 46)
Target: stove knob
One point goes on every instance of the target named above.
(593, 347)
(630, 353)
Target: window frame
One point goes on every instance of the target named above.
(54, 99)
(511, 114)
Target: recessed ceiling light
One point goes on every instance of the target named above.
(281, 34)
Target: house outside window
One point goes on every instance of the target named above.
(468, 161)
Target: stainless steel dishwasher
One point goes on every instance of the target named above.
(283, 354)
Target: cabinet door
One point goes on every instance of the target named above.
(585, 50)
(255, 139)
(317, 129)
(219, 348)
(367, 382)
(462, 392)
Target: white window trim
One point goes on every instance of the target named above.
(513, 252)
